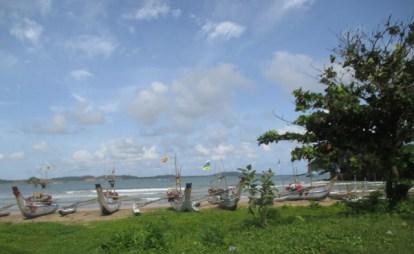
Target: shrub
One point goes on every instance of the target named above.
(314, 204)
(406, 209)
(149, 238)
(260, 199)
(373, 204)
(212, 236)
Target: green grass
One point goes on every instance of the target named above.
(290, 230)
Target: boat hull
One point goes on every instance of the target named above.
(184, 204)
(67, 210)
(108, 205)
(32, 209)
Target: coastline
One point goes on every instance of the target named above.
(86, 215)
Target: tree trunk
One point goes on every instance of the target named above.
(390, 192)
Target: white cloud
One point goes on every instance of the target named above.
(277, 11)
(42, 146)
(295, 4)
(66, 121)
(225, 30)
(266, 148)
(92, 45)
(109, 107)
(59, 124)
(200, 94)
(44, 6)
(247, 150)
(293, 71)
(84, 113)
(27, 30)
(291, 128)
(202, 150)
(207, 92)
(83, 156)
(148, 104)
(149, 153)
(22, 8)
(81, 74)
(153, 9)
(16, 156)
(222, 151)
(123, 150)
(346, 75)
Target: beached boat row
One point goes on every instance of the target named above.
(109, 201)
(223, 196)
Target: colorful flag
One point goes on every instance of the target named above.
(207, 166)
(164, 159)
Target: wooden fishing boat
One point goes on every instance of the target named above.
(184, 203)
(226, 198)
(309, 193)
(135, 209)
(4, 214)
(37, 205)
(67, 210)
(74, 207)
(108, 200)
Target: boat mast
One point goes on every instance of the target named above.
(177, 175)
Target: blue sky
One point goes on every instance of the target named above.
(91, 85)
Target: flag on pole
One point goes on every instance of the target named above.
(207, 166)
(164, 159)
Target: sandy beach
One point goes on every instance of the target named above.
(90, 215)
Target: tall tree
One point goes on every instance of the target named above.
(362, 123)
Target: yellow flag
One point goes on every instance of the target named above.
(164, 159)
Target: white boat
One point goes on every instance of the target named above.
(309, 193)
(226, 198)
(37, 205)
(108, 200)
(135, 209)
(184, 203)
(63, 211)
(67, 210)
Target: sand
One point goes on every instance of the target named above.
(83, 216)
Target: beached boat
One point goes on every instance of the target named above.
(355, 190)
(63, 211)
(67, 210)
(183, 203)
(2, 212)
(37, 205)
(108, 200)
(226, 198)
(298, 192)
(135, 209)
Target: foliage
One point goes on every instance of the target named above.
(372, 204)
(212, 236)
(363, 120)
(260, 199)
(406, 209)
(314, 204)
(149, 238)
(297, 230)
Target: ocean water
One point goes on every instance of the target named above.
(66, 193)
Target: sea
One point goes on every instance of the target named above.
(138, 189)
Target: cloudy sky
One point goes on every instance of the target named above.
(91, 85)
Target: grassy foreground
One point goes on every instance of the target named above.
(290, 230)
